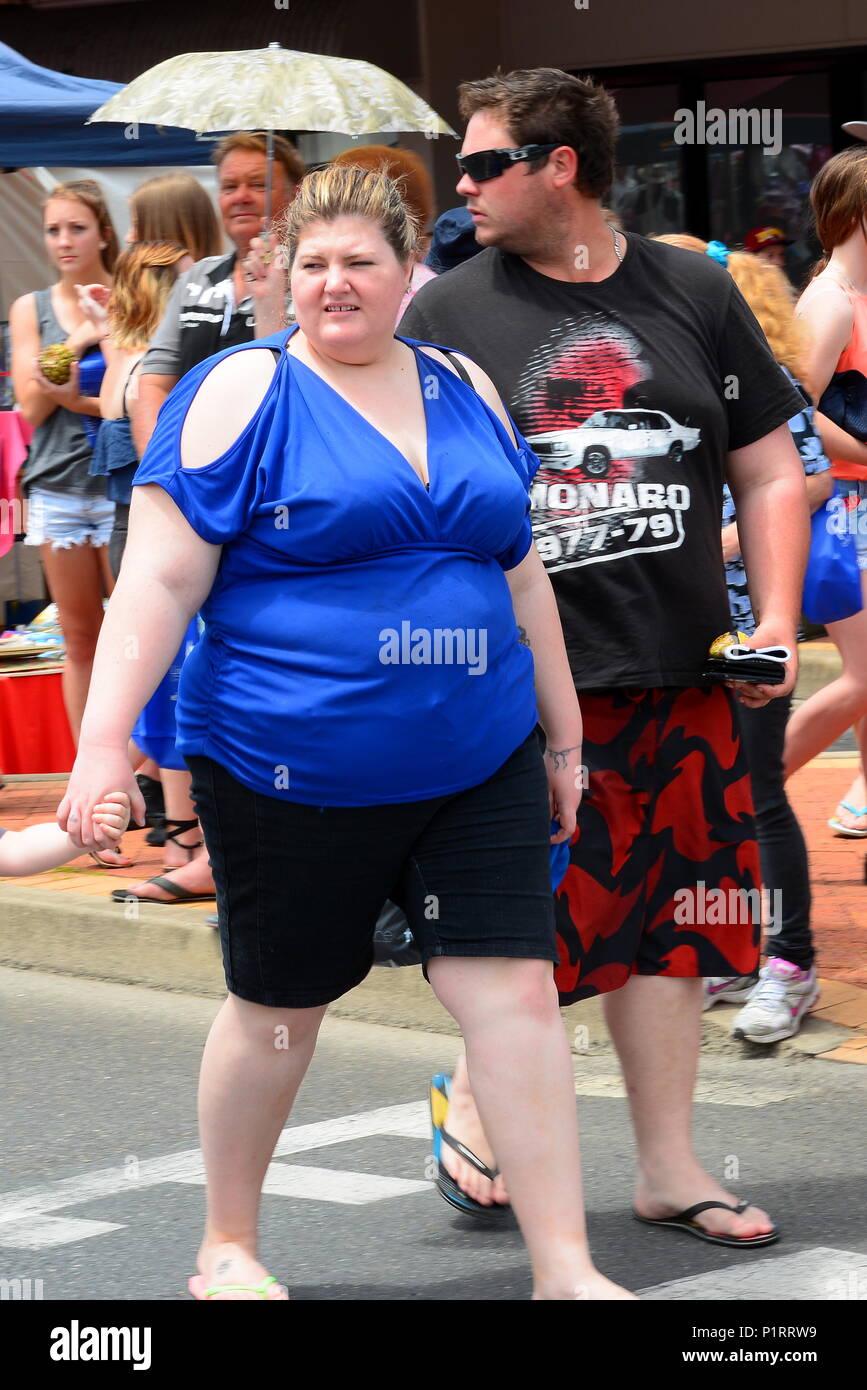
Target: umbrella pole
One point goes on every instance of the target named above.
(269, 157)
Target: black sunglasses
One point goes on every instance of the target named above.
(490, 164)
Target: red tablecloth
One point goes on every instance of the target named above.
(15, 435)
(34, 730)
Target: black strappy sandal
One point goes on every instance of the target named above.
(180, 828)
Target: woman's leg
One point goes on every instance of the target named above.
(521, 1069)
(75, 581)
(465, 1125)
(785, 868)
(253, 1064)
(191, 871)
(856, 794)
(105, 568)
(827, 714)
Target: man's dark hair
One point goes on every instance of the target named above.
(544, 106)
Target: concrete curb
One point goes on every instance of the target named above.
(172, 949)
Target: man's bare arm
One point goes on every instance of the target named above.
(152, 391)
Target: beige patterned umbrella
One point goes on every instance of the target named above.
(271, 88)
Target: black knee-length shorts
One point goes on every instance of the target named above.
(300, 888)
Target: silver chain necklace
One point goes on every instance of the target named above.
(617, 251)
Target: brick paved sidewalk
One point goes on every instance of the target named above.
(838, 874)
(31, 802)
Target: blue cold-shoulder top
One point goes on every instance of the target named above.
(360, 644)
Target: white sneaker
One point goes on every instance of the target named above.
(775, 1009)
(728, 990)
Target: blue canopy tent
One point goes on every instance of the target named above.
(42, 122)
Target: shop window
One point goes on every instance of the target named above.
(765, 178)
(647, 196)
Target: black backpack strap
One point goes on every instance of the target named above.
(459, 367)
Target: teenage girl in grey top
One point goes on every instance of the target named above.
(68, 515)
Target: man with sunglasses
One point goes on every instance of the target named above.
(641, 380)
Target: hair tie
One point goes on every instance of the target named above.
(719, 252)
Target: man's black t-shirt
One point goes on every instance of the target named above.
(631, 391)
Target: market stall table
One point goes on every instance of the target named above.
(34, 730)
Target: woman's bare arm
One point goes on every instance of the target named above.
(559, 714)
(167, 573)
(34, 403)
(829, 318)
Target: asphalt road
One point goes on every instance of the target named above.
(101, 1194)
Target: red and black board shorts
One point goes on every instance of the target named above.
(665, 823)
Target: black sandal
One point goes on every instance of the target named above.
(684, 1221)
(180, 828)
(155, 809)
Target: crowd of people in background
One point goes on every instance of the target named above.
(327, 320)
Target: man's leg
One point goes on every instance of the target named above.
(655, 1023)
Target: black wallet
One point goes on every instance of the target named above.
(731, 658)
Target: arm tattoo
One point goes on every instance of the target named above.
(522, 637)
(560, 756)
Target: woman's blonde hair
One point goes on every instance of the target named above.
(89, 193)
(348, 191)
(176, 208)
(767, 291)
(143, 280)
(684, 240)
(769, 295)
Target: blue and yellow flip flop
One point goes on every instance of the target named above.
(440, 1090)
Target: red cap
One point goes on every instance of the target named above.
(760, 237)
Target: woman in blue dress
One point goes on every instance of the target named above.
(359, 716)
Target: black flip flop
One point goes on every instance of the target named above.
(683, 1221)
(448, 1189)
(180, 894)
(455, 1195)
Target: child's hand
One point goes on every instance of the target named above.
(112, 815)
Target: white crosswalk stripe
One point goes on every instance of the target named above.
(332, 1185)
(816, 1272)
(40, 1232)
(25, 1223)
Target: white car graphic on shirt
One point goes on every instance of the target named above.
(612, 434)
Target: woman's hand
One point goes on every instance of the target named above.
(93, 303)
(99, 774)
(68, 395)
(266, 277)
(565, 773)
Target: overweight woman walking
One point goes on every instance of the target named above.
(359, 717)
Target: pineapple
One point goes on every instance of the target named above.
(55, 362)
